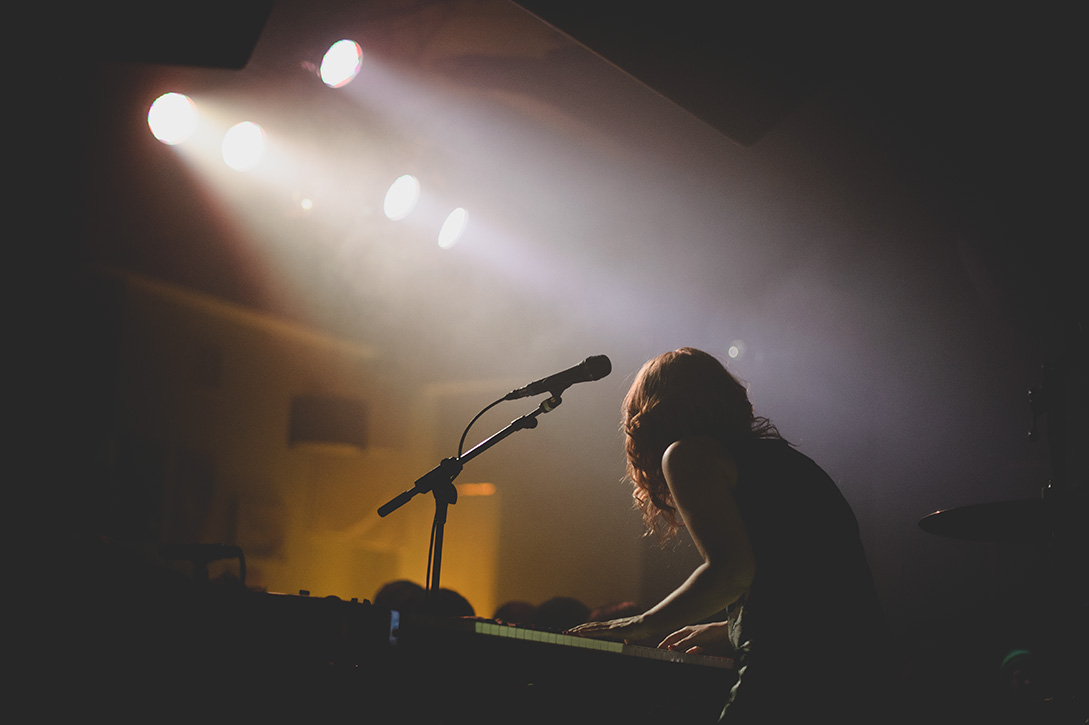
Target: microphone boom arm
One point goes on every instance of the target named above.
(440, 480)
(526, 421)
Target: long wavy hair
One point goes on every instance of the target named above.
(686, 392)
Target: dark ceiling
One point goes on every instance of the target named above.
(988, 93)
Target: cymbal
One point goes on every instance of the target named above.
(999, 521)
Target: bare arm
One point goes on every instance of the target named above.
(701, 477)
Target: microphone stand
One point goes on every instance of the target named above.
(440, 482)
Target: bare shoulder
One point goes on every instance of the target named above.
(699, 456)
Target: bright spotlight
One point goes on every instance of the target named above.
(737, 349)
(172, 118)
(341, 63)
(243, 146)
(401, 197)
(453, 228)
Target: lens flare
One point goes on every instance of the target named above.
(401, 197)
(453, 228)
(172, 118)
(341, 63)
(244, 146)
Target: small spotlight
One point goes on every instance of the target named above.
(341, 63)
(172, 118)
(401, 197)
(453, 228)
(736, 349)
(243, 146)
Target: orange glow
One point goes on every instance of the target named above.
(476, 489)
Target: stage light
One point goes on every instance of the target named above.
(401, 197)
(341, 63)
(243, 146)
(736, 350)
(453, 228)
(172, 118)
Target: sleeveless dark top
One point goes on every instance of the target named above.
(809, 632)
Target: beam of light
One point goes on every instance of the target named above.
(341, 63)
(243, 146)
(453, 228)
(172, 118)
(401, 198)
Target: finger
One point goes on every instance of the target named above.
(678, 643)
(673, 638)
(592, 632)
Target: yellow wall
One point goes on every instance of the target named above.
(210, 384)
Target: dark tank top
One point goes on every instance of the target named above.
(809, 632)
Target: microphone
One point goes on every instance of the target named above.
(592, 368)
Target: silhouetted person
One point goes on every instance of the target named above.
(560, 613)
(516, 612)
(401, 595)
(405, 596)
(614, 610)
(784, 578)
(448, 603)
